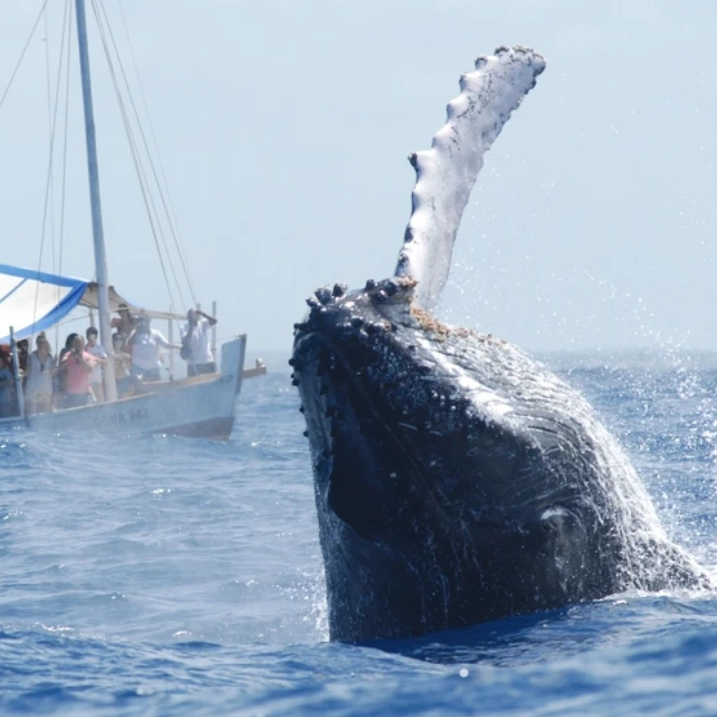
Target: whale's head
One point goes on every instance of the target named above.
(456, 480)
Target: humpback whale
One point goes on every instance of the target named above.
(456, 479)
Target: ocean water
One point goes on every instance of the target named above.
(168, 576)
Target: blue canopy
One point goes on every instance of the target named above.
(32, 301)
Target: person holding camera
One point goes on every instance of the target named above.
(196, 349)
(78, 365)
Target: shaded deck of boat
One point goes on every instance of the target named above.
(218, 427)
(198, 406)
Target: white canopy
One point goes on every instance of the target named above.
(90, 299)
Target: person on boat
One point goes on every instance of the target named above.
(125, 324)
(123, 367)
(95, 348)
(144, 344)
(78, 367)
(8, 397)
(23, 352)
(196, 349)
(61, 372)
(40, 375)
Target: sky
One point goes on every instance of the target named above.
(283, 128)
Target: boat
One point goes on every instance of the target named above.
(32, 301)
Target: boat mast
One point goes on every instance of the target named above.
(97, 233)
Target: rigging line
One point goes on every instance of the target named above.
(67, 125)
(63, 185)
(52, 208)
(149, 159)
(149, 202)
(22, 54)
(171, 212)
(49, 129)
(144, 185)
(52, 128)
(48, 183)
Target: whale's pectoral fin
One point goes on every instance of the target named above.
(446, 173)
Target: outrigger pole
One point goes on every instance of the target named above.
(103, 300)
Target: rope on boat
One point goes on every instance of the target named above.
(169, 204)
(64, 157)
(22, 54)
(150, 208)
(152, 211)
(49, 204)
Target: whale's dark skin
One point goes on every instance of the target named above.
(457, 480)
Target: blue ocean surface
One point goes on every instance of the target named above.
(170, 576)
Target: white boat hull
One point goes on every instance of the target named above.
(202, 406)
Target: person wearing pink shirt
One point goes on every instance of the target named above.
(78, 366)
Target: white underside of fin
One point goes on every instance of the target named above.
(446, 173)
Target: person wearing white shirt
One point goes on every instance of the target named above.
(41, 367)
(196, 349)
(95, 348)
(144, 344)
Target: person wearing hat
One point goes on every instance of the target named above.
(143, 345)
(196, 349)
(125, 323)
